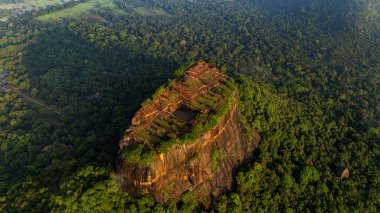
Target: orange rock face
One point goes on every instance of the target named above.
(345, 174)
(206, 166)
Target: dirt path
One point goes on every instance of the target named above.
(27, 97)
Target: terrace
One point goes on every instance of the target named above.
(186, 102)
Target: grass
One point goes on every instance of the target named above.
(74, 11)
(80, 9)
(70, 12)
(43, 3)
(31, 4)
(26, 6)
(5, 13)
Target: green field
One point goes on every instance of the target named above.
(43, 3)
(7, 7)
(5, 13)
(72, 11)
(80, 9)
(29, 4)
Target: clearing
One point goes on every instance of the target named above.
(80, 9)
(7, 8)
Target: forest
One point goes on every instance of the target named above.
(307, 75)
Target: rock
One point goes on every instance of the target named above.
(345, 174)
(205, 166)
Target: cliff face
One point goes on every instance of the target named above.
(205, 167)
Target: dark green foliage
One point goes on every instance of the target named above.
(181, 71)
(138, 154)
(312, 94)
(4, 13)
(217, 156)
(295, 167)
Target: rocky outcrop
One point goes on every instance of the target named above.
(345, 173)
(205, 167)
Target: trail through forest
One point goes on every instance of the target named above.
(10, 88)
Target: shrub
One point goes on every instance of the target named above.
(138, 154)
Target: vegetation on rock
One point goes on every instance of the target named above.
(307, 75)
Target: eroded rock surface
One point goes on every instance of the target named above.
(205, 167)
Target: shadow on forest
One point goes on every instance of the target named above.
(97, 90)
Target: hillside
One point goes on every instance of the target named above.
(306, 75)
(189, 139)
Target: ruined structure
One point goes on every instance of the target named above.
(188, 139)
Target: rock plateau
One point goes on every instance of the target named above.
(189, 139)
